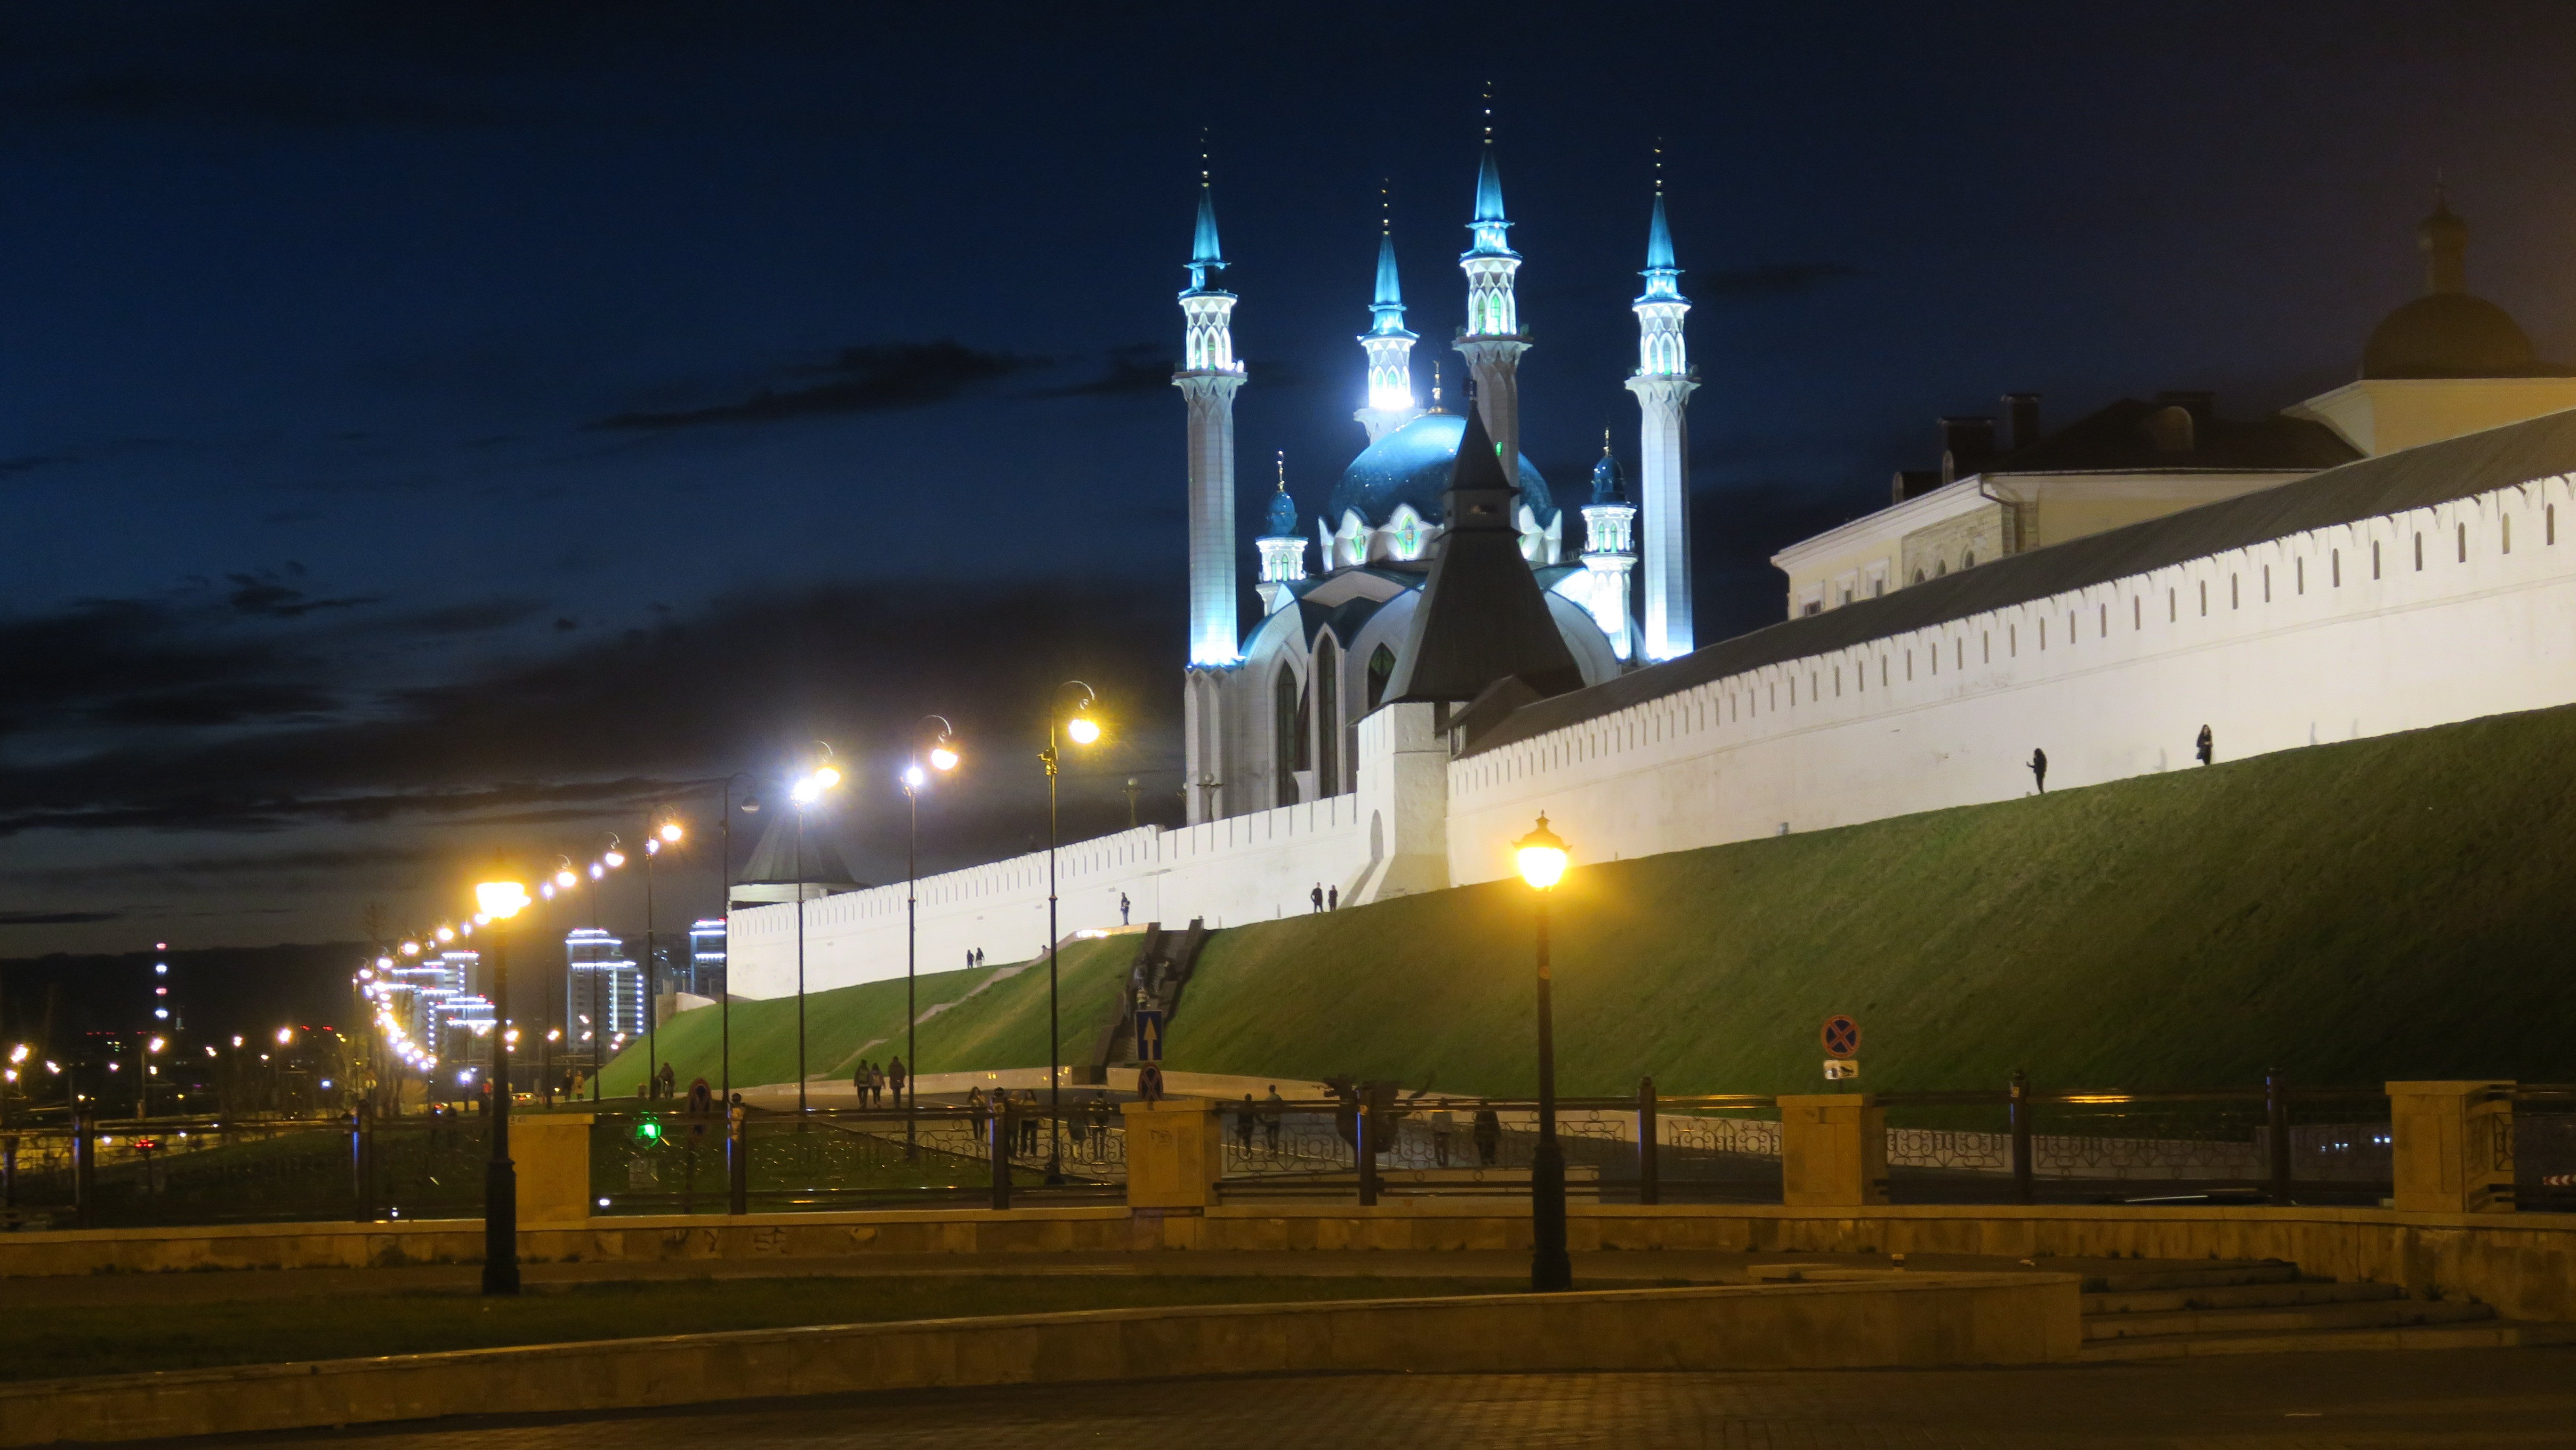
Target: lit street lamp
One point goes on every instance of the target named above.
(499, 900)
(668, 833)
(1541, 856)
(1081, 729)
(943, 758)
(805, 793)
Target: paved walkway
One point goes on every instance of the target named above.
(2461, 1398)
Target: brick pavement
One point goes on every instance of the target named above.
(2383, 1401)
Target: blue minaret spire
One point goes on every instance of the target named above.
(1663, 385)
(1208, 377)
(1388, 346)
(1493, 340)
(1205, 255)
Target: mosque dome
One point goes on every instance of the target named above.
(1411, 466)
(1281, 522)
(1607, 488)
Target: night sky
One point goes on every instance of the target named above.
(429, 429)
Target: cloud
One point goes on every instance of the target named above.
(29, 463)
(261, 100)
(877, 378)
(1139, 367)
(266, 594)
(56, 918)
(1772, 279)
(608, 725)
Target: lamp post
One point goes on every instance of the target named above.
(1081, 729)
(805, 793)
(1541, 856)
(667, 833)
(943, 758)
(500, 900)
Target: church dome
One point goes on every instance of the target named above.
(1411, 466)
(2447, 335)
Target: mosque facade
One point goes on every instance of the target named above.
(1273, 710)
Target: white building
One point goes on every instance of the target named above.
(2386, 556)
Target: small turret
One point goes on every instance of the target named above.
(1283, 550)
(1610, 553)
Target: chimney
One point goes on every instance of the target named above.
(1966, 445)
(2021, 416)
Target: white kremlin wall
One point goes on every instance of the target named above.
(2298, 644)
(1231, 871)
(2114, 680)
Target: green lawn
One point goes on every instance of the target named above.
(117, 1339)
(2396, 907)
(1004, 1026)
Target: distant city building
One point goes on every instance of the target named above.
(706, 959)
(604, 991)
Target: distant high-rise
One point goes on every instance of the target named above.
(707, 958)
(603, 993)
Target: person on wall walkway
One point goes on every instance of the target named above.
(2204, 747)
(1333, 898)
(2039, 769)
(1317, 896)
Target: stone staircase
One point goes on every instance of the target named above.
(2269, 1308)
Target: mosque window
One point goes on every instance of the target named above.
(1968, 560)
(1328, 718)
(1918, 576)
(1289, 734)
(1381, 669)
(1940, 567)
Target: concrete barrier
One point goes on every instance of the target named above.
(2524, 1264)
(1908, 1321)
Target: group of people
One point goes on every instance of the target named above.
(872, 1082)
(975, 958)
(1084, 1122)
(1266, 1114)
(1326, 898)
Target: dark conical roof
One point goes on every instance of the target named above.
(1482, 617)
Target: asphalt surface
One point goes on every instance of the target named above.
(2455, 1398)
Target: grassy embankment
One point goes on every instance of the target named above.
(2387, 908)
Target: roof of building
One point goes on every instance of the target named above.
(2412, 478)
(820, 858)
(2446, 333)
(1482, 617)
(1412, 466)
(2144, 435)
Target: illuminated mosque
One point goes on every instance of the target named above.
(1272, 714)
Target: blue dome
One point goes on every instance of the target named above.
(1606, 485)
(1411, 465)
(1282, 520)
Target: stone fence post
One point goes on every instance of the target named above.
(1833, 1151)
(2454, 1146)
(1175, 1153)
(552, 1151)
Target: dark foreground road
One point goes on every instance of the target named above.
(2484, 1398)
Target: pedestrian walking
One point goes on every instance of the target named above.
(702, 1099)
(1244, 1118)
(2204, 748)
(1332, 898)
(1122, 908)
(1099, 1126)
(1443, 1123)
(2039, 769)
(896, 1077)
(975, 1100)
(1489, 1133)
(663, 1081)
(859, 1082)
(1272, 1109)
(1317, 896)
(1029, 1122)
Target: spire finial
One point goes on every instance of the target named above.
(1605, 440)
(1659, 166)
(1283, 470)
(1435, 385)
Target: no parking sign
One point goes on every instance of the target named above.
(1842, 1043)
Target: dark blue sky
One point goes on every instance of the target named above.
(424, 427)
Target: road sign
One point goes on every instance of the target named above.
(1149, 1035)
(1839, 1068)
(1842, 1036)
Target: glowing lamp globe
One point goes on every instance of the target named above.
(671, 832)
(1541, 856)
(914, 777)
(566, 880)
(1082, 729)
(943, 758)
(826, 777)
(501, 900)
(614, 859)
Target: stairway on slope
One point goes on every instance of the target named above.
(2268, 1307)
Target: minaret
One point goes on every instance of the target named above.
(1492, 339)
(1208, 378)
(1389, 348)
(1663, 387)
(1283, 549)
(1610, 551)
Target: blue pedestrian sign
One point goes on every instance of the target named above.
(1149, 1035)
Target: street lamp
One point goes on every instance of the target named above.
(943, 758)
(499, 901)
(805, 792)
(1541, 856)
(1081, 729)
(668, 833)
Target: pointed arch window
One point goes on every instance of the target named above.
(1381, 669)
(1328, 717)
(1288, 737)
